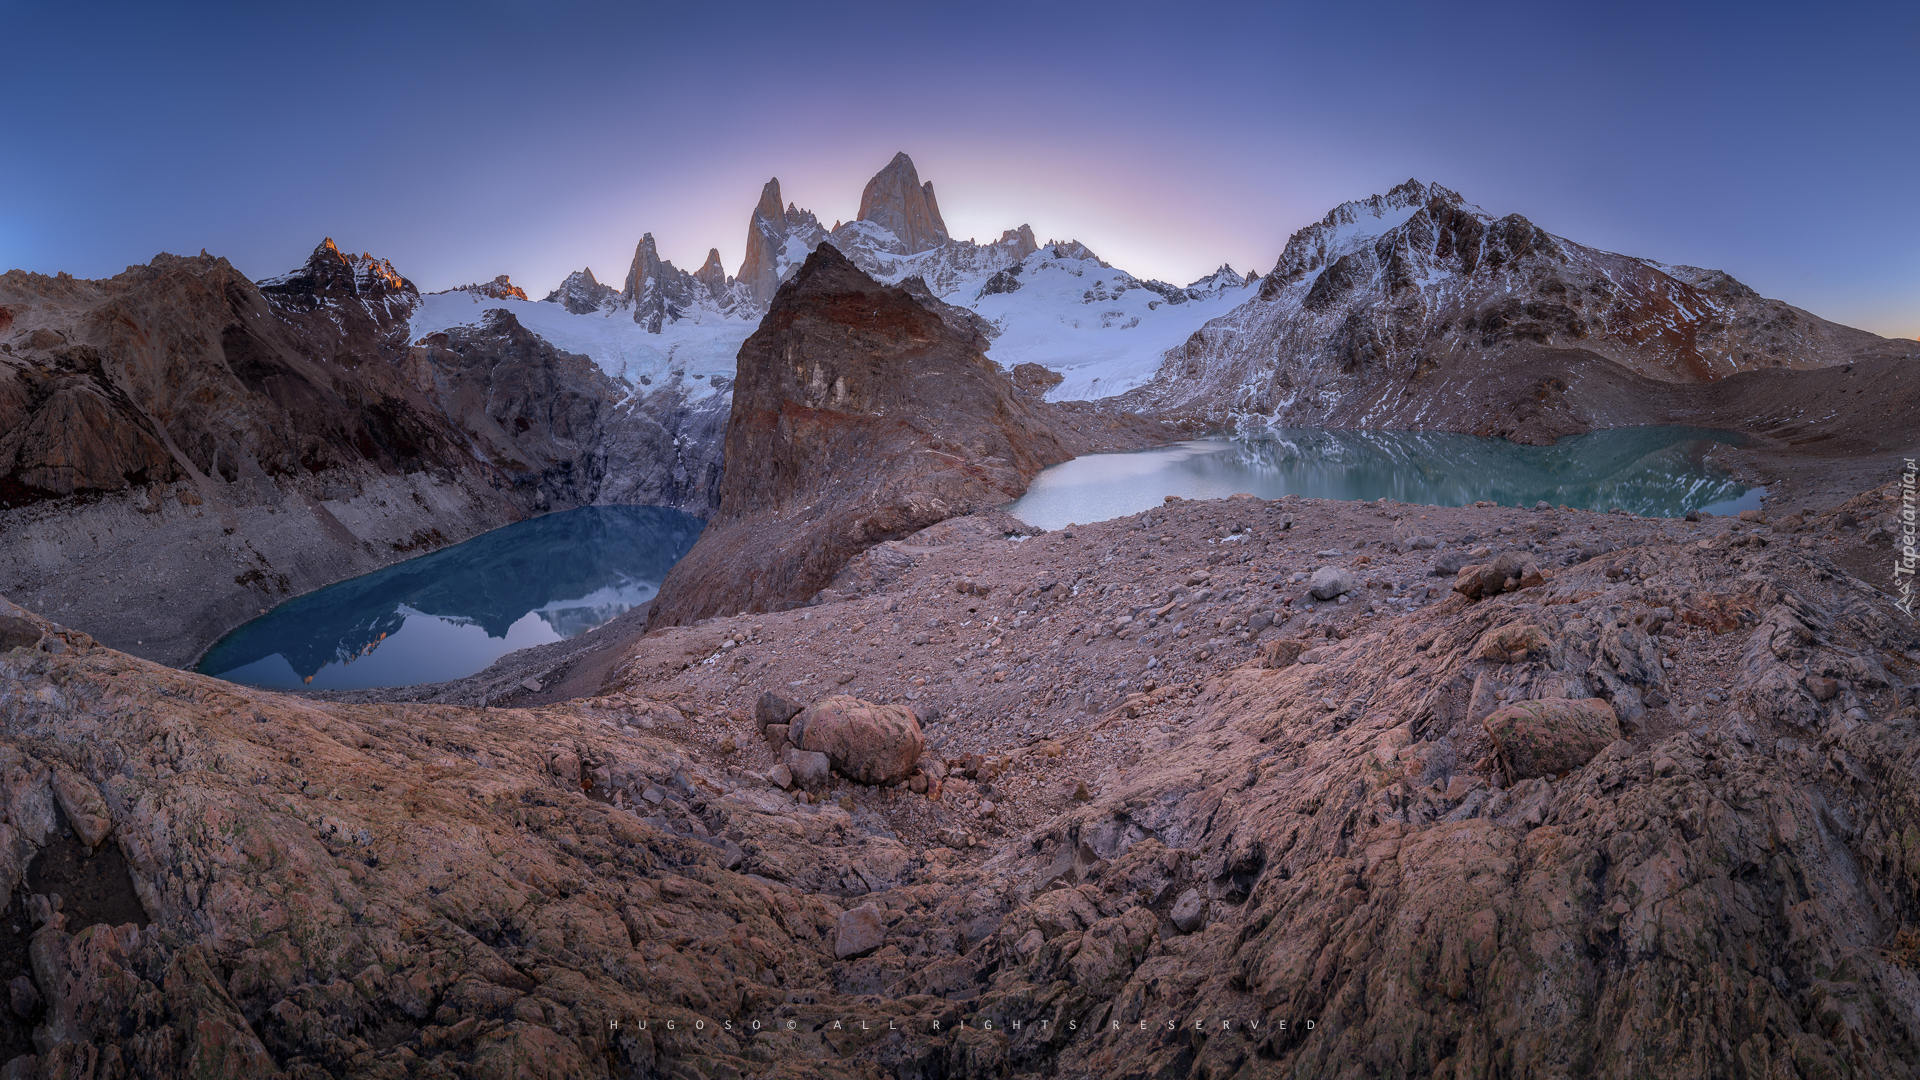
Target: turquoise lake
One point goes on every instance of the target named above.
(449, 614)
(1651, 471)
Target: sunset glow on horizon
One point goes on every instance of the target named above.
(461, 142)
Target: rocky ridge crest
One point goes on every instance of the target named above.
(500, 288)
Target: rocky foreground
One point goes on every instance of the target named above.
(1178, 815)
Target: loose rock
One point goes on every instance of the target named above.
(1329, 582)
(811, 769)
(774, 709)
(859, 932)
(1189, 911)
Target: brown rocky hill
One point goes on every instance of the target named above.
(861, 413)
(181, 448)
(1368, 312)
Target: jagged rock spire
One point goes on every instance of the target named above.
(769, 235)
(712, 275)
(897, 201)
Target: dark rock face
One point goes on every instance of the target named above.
(562, 432)
(859, 415)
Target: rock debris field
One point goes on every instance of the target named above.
(1231, 788)
(1014, 647)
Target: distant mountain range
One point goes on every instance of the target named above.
(1056, 304)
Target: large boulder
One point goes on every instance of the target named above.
(1329, 582)
(1551, 735)
(1510, 571)
(868, 743)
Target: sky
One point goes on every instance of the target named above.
(1780, 143)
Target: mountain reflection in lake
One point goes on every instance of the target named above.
(1651, 471)
(451, 613)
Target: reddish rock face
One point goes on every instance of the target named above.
(897, 201)
(859, 415)
(500, 288)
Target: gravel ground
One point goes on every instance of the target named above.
(1047, 666)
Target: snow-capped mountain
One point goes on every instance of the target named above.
(1102, 329)
(332, 278)
(1417, 309)
(658, 292)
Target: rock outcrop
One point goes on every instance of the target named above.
(582, 294)
(777, 243)
(865, 416)
(658, 292)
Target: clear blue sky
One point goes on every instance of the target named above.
(1780, 143)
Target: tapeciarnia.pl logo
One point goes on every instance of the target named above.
(1904, 562)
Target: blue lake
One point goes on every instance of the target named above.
(1651, 471)
(449, 614)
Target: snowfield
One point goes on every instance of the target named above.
(1102, 329)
